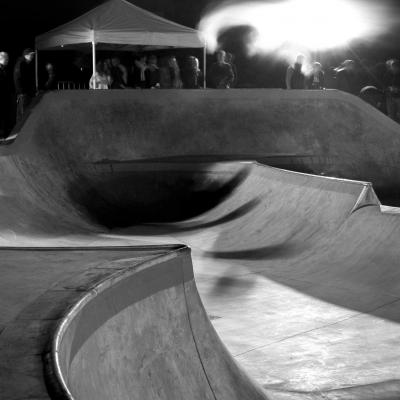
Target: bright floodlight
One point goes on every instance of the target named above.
(308, 24)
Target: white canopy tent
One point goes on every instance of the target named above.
(119, 25)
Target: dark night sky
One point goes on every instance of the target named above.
(21, 20)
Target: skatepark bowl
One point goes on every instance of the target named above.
(155, 246)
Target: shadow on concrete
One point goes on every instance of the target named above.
(191, 226)
(124, 199)
(159, 201)
(282, 251)
(226, 284)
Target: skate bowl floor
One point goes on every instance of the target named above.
(290, 290)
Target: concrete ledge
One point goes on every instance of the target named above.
(25, 342)
(322, 131)
(143, 333)
(139, 279)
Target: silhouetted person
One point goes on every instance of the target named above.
(165, 74)
(119, 74)
(392, 89)
(316, 81)
(139, 71)
(221, 74)
(101, 79)
(379, 71)
(230, 59)
(373, 96)
(346, 78)
(25, 82)
(191, 74)
(175, 73)
(295, 78)
(153, 73)
(6, 96)
(170, 74)
(50, 83)
(81, 72)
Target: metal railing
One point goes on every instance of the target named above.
(70, 85)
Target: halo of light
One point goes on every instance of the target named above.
(313, 25)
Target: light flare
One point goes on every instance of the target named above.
(296, 25)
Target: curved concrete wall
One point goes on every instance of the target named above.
(56, 165)
(303, 226)
(145, 335)
(336, 133)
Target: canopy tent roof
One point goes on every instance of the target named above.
(118, 23)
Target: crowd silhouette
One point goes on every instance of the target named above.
(378, 85)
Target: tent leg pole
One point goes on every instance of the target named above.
(205, 66)
(36, 70)
(94, 63)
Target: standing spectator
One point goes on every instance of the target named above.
(317, 78)
(165, 74)
(139, 71)
(378, 72)
(100, 80)
(175, 72)
(392, 89)
(346, 78)
(170, 73)
(191, 74)
(295, 78)
(51, 83)
(221, 74)
(119, 74)
(153, 73)
(81, 71)
(108, 66)
(230, 59)
(6, 95)
(330, 77)
(24, 80)
(374, 96)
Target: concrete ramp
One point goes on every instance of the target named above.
(298, 273)
(144, 334)
(313, 131)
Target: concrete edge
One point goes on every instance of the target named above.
(367, 198)
(14, 142)
(55, 382)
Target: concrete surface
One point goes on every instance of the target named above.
(145, 335)
(298, 273)
(38, 287)
(316, 131)
(302, 286)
